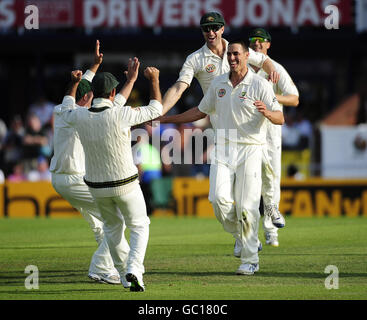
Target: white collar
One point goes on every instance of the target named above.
(246, 80)
(102, 102)
(210, 53)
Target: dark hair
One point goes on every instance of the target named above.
(103, 95)
(240, 42)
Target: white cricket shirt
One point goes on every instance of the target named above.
(68, 155)
(104, 131)
(285, 86)
(235, 108)
(204, 65)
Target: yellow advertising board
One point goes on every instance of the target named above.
(320, 197)
(32, 199)
(308, 198)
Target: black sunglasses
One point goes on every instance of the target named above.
(214, 27)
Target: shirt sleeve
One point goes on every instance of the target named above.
(88, 75)
(256, 58)
(285, 83)
(188, 71)
(207, 104)
(134, 116)
(119, 101)
(67, 103)
(68, 111)
(268, 96)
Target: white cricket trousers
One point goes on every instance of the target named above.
(73, 189)
(133, 211)
(271, 175)
(236, 190)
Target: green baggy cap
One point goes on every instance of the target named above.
(103, 83)
(261, 33)
(84, 87)
(212, 18)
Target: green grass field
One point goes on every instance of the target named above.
(187, 259)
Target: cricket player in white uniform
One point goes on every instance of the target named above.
(68, 169)
(210, 61)
(242, 101)
(287, 94)
(111, 175)
(205, 64)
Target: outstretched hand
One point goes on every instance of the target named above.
(98, 57)
(132, 69)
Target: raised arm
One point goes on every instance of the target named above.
(152, 74)
(172, 95)
(69, 98)
(76, 77)
(133, 116)
(98, 58)
(131, 76)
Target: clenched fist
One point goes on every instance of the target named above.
(76, 76)
(151, 73)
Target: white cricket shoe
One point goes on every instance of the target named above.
(248, 268)
(137, 284)
(105, 278)
(271, 240)
(272, 211)
(238, 248)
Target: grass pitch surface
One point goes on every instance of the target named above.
(187, 259)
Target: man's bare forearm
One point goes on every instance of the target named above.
(172, 95)
(155, 91)
(275, 117)
(127, 88)
(290, 100)
(71, 91)
(268, 66)
(190, 115)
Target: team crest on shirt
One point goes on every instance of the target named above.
(221, 93)
(210, 68)
(243, 95)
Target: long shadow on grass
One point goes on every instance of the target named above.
(315, 254)
(65, 276)
(63, 292)
(259, 274)
(43, 271)
(48, 247)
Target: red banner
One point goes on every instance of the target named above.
(171, 13)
